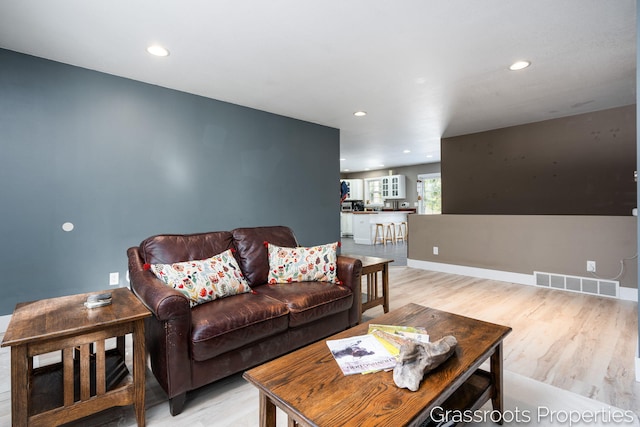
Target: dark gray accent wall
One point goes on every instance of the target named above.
(123, 160)
(578, 165)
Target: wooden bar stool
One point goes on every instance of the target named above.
(389, 233)
(401, 231)
(379, 234)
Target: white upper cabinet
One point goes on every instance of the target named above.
(356, 191)
(394, 187)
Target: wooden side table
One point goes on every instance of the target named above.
(81, 384)
(377, 292)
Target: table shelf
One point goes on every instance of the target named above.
(47, 381)
(471, 395)
(370, 301)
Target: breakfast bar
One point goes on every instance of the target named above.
(364, 223)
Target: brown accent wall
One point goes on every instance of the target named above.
(578, 165)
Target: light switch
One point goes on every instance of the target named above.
(114, 279)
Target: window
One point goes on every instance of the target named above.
(429, 194)
(373, 192)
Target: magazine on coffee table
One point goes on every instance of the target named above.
(393, 336)
(361, 354)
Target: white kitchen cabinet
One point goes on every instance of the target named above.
(356, 191)
(362, 228)
(394, 187)
(346, 224)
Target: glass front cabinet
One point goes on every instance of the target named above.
(394, 187)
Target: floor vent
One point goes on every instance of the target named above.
(584, 285)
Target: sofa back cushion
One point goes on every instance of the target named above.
(172, 248)
(252, 254)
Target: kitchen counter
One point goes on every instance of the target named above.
(364, 223)
(408, 211)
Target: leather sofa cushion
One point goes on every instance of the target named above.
(171, 248)
(310, 301)
(252, 254)
(229, 323)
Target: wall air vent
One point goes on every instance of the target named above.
(584, 285)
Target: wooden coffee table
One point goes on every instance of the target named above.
(310, 388)
(80, 384)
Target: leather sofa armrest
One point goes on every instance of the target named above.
(165, 303)
(349, 272)
(167, 333)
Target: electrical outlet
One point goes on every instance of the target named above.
(114, 279)
(591, 266)
(435, 250)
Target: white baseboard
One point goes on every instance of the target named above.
(628, 294)
(362, 241)
(483, 273)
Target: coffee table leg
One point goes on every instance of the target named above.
(497, 400)
(267, 411)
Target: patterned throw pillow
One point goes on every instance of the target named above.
(205, 280)
(300, 264)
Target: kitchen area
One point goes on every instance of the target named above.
(368, 202)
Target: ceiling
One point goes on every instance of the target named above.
(421, 69)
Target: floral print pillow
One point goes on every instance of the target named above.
(205, 280)
(301, 264)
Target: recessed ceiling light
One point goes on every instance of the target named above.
(429, 156)
(360, 113)
(519, 65)
(342, 160)
(346, 170)
(406, 151)
(157, 50)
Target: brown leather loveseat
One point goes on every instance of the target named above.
(191, 347)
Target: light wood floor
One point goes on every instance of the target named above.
(581, 343)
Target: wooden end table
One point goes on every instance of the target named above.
(377, 292)
(80, 384)
(311, 389)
